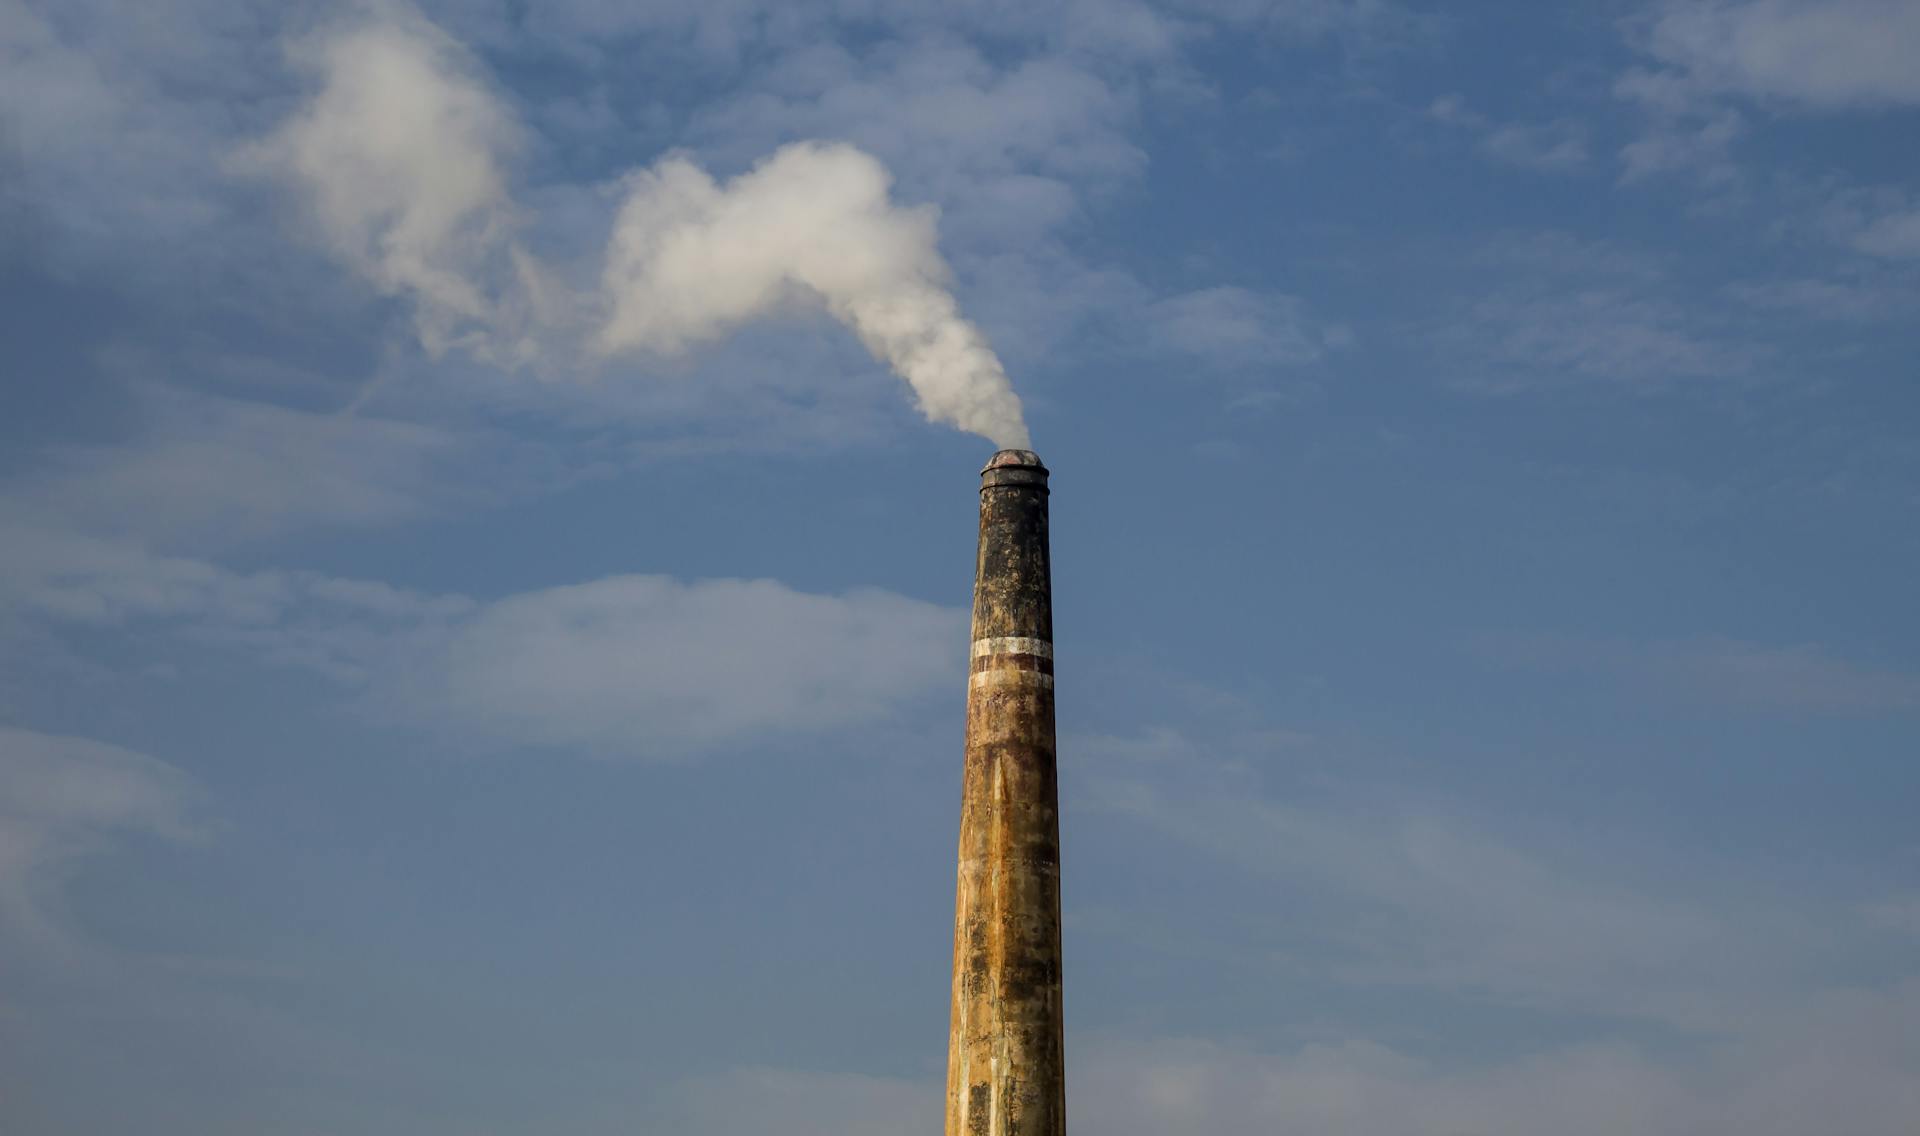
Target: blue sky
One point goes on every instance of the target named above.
(437, 698)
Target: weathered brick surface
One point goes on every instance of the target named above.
(1005, 1064)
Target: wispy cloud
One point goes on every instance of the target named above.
(1414, 893)
(1240, 329)
(214, 469)
(115, 119)
(1894, 235)
(1824, 54)
(1598, 334)
(1834, 1065)
(62, 799)
(1559, 146)
(626, 666)
(1685, 133)
(651, 667)
(1855, 301)
(1789, 678)
(1557, 310)
(1713, 63)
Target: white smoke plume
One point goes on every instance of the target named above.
(691, 258)
(400, 158)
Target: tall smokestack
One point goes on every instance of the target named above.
(1006, 1054)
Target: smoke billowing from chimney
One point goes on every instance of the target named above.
(399, 157)
(691, 258)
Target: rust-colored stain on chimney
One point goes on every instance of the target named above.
(1006, 1056)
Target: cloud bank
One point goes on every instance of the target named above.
(651, 666)
(1823, 53)
(632, 666)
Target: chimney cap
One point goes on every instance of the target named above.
(1010, 459)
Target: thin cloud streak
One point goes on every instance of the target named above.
(61, 800)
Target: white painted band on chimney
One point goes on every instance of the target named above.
(1012, 678)
(1012, 645)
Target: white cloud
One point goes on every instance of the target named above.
(1895, 236)
(1598, 334)
(338, 627)
(648, 666)
(713, 31)
(1559, 146)
(1702, 147)
(400, 155)
(1011, 118)
(1405, 893)
(726, 34)
(1880, 222)
(1826, 54)
(116, 114)
(1553, 148)
(952, 121)
(1798, 677)
(1801, 678)
(64, 90)
(1239, 328)
(1044, 301)
(625, 666)
(1834, 1065)
(1710, 56)
(1012, 148)
(95, 535)
(62, 798)
(206, 467)
(400, 158)
(1838, 1063)
(1843, 301)
(88, 579)
(1743, 1040)
(1016, 145)
(1557, 310)
(1686, 132)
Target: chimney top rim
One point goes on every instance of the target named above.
(1015, 459)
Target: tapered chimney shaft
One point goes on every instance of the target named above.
(1006, 1055)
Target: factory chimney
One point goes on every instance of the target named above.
(1006, 1055)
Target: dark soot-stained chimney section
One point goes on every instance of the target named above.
(1006, 1059)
